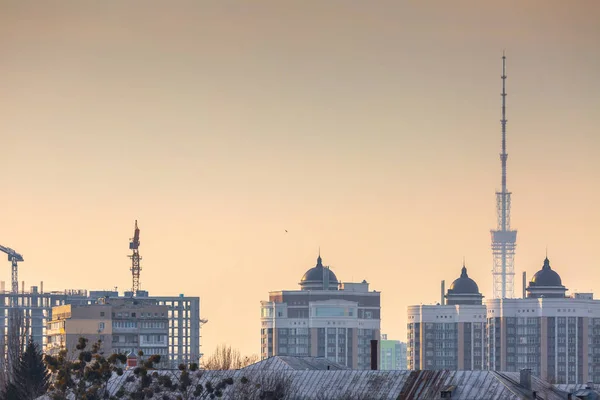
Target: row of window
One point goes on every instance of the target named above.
(134, 314)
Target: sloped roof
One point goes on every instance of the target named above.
(296, 363)
(363, 385)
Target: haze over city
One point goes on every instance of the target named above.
(369, 130)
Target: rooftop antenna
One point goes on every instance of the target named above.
(503, 238)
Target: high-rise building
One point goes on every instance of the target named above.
(183, 315)
(392, 355)
(557, 337)
(554, 335)
(27, 313)
(325, 318)
(452, 335)
(125, 326)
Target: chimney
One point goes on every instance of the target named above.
(22, 286)
(524, 284)
(2, 286)
(525, 378)
(442, 299)
(42, 287)
(374, 355)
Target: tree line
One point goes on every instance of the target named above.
(88, 376)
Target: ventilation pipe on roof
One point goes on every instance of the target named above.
(525, 378)
(442, 299)
(374, 358)
(524, 284)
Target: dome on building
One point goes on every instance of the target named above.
(546, 276)
(464, 284)
(464, 290)
(318, 277)
(546, 283)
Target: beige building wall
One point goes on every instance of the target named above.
(314, 342)
(421, 347)
(585, 346)
(544, 348)
(354, 348)
(503, 344)
(461, 346)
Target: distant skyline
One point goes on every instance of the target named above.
(370, 130)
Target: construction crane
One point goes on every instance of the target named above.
(134, 245)
(14, 258)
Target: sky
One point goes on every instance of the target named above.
(368, 129)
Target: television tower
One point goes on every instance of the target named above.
(503, 238)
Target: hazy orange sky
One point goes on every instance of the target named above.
(370, 129)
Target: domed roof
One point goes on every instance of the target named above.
(316, 273)
(546, 276)
(464, 284)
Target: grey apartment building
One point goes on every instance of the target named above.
(556, 336)
(124, 325)
(325, 318)
(34, 309)
(183, 318)
(29, 311)
(449, 336)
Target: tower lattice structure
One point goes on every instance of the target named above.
(503, 238)
(134, 245)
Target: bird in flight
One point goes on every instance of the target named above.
(286, 231)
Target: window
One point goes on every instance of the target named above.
(100, 326)
(102, 313)
(133, 314)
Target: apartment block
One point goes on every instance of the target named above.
(449, 336)
(325, 318)
(28, 312)
(124, 326)
(183, 319)
(393, 354)
(556, 336)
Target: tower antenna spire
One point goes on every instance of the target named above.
(503, 238)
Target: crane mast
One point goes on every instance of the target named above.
(14, 258)
(134, 245)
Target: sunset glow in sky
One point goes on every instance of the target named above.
(370, 129)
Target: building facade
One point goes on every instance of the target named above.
(556, 336)
(449, 336)
(325, 318)
(125, 326)
(392, 354)
(26, 314)
(183, 317)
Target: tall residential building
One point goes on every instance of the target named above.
(558, 337)
(392, 355)
(34, 310)
(325, 318)
(183, 315)
(31, 312)
(449, 336)
(123, 325)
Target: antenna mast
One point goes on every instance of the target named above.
(503, 238)
(134, 245)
